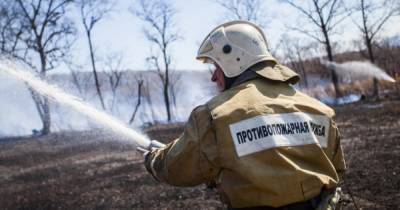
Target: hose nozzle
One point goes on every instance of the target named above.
(154, 144)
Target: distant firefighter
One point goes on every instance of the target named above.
(262, 143)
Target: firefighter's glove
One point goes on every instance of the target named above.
(154, 144)
(149, 156)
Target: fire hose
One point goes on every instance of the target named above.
(154, 144)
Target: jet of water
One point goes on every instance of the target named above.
(358, 70)
(56, 94)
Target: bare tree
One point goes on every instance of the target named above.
(75, 76)
(294, 55)
(10, 28)
(92, 11)
(250, 10)
(373, 16)
(324, 16)
(150, 114)
(174, 87)
(114, 71)
(158, 16)
(139, 82)
(39, 35)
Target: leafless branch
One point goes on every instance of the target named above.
(372, 17)
(250, 10)
(139, 81)
(325, 17)
(39, 34)
(91, 12)
(158, 17)
(114, 70)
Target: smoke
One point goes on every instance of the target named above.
(75, 103)
(350, 98)
(357, 70)
(195, 88)
(18, 115)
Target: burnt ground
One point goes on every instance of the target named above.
(90, 170)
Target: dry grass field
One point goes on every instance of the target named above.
(90, 170)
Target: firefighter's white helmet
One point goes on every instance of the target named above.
(235, 46)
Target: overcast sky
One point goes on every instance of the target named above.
(121, 32)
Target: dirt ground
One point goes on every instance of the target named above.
(90, 170)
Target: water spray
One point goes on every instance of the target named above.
(56, 94)
(358, 70)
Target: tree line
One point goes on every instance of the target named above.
(40, 33)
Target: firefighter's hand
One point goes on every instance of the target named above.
(149, 164)
(147, 154)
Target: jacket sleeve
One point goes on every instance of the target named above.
(191, 159)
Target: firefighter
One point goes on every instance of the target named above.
(261, 142)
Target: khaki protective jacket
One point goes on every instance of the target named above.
(262, 143)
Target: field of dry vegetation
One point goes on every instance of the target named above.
(89, 170)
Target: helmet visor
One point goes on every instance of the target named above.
(204, 51)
